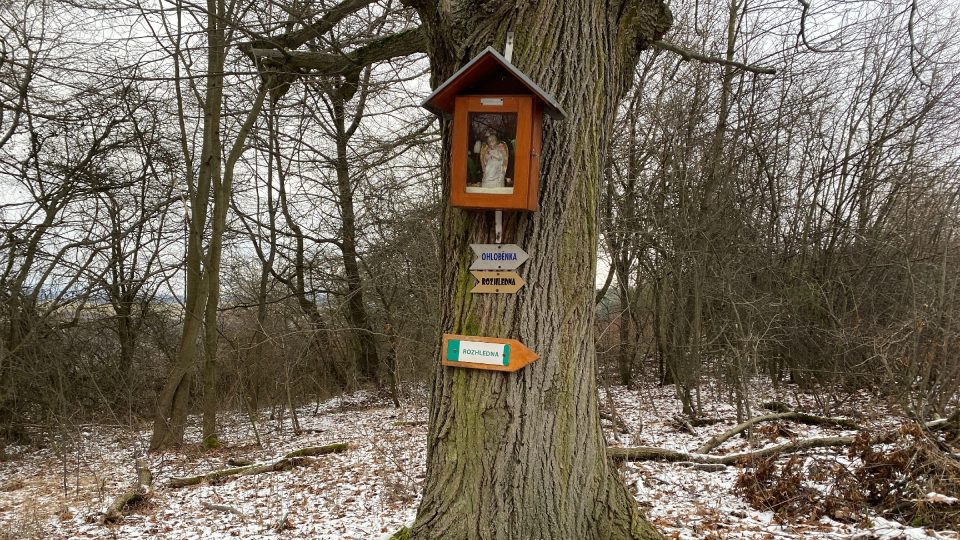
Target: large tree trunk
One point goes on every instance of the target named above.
(521, 455)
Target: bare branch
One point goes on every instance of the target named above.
(297, 38)
(688, 55)
(913, 45)
(803, 29)
(396, 45)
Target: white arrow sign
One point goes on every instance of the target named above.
(498, 256)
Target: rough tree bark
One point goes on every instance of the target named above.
(522, 455)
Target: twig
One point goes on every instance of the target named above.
(222, 508)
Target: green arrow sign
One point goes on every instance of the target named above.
(478, 352)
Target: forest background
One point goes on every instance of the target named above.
(191, 227)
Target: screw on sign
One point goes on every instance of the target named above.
(489, 353)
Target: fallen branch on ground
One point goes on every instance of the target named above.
(297, 458)
(803, 418)
(137, 491)
(950, 424)
(334, 448)
(652, 453)
(708, 467)
(410, 423)
(281, 464)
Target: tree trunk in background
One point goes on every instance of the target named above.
(521, 455)
(222, 192)
(174, 399)
(627, 347)
(203, 266)
(365, 343)
(393, 377)
(321, 345)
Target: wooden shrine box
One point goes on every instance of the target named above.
(497, 132)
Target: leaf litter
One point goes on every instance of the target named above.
(58, 488)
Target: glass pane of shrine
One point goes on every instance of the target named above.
(491, 152)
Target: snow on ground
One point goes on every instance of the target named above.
(372, 489)
(688, 503)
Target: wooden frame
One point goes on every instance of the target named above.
(526, 152)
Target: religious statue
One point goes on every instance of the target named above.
(494, 157)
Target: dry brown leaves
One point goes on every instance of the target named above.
(892, 474)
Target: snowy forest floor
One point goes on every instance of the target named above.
(59, 489)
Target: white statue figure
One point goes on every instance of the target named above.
(493, 162)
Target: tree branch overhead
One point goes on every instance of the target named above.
(688, 55)
(397, 45)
